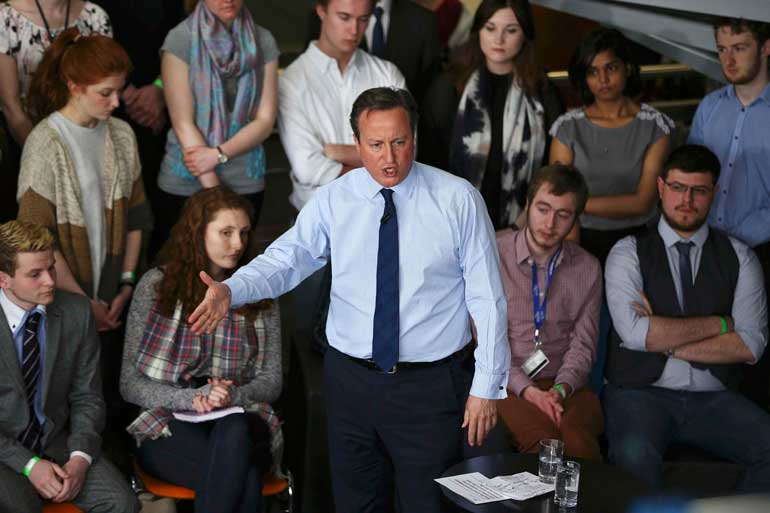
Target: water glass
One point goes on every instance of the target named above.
(551, 452)
(567, 480)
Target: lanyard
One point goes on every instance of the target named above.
(45, 21)
(538, 307)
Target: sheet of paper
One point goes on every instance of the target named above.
(521, 486)
(194, 416)
(474, 487)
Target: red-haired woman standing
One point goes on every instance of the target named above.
(80, 174)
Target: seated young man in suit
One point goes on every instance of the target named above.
(688, 307)
(51, 407)
(554, 291)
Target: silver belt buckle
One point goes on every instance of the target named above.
(392, 370)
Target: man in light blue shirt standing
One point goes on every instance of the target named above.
(733, 122)
(414, 254)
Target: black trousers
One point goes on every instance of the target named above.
(392, 432)
(222, 460)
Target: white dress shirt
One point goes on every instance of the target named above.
(385, 4)
(623, 280)
(314, 102)
(449, 268)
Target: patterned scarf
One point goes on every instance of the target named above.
(170, 353)
(216, 52)
(523, 141)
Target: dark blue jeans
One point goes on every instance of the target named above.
(222, 460)
(642, 423)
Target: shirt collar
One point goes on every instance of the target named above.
(325, 63)
(670, 237)
(16, 315)
(729, 91)
(523, 255)
(372, 187)
(385, 4)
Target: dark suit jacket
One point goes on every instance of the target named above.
(411, 44)
(72, 397)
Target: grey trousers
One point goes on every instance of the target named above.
(105, 490)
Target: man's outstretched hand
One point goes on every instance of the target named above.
(213, 308)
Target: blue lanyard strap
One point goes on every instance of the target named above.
(538, 307)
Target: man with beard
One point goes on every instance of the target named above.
(688, 307)
(732, 122)
(553, 332)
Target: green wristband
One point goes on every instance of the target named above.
(724, 325)
(560, 388)
(158, 83)
(30, 464)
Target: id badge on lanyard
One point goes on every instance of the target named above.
(537, 361)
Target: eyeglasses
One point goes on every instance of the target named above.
(699, 191)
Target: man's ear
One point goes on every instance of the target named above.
(320, 11)
(5, 280)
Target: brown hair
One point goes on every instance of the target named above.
(384, 98)
(83, 60)
(527, 72)
(562, 180)
(184, 253)
(759, 30)
(21, 237)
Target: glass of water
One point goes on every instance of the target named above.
(567, 480)
(551, 452)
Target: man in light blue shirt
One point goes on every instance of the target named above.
(733, 123)
(398, 399)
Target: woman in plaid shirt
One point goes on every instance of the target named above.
(167, 368)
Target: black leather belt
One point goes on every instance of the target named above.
(402, 366)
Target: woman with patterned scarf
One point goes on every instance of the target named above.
(487, 120)
(167, 369)
(220, 76)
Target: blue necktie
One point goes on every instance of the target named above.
(30, 371)
(378, 35)
(386, 320)
(685, 274)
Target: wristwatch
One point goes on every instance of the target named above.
(223, 158)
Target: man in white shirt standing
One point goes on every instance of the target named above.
(317, 91)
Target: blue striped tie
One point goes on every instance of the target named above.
(30, 370)
(385, 337)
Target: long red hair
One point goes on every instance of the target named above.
(72, 57)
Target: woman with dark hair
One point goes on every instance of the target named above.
(617, 143)
(487, 119)
(167, 368)
(220, 76)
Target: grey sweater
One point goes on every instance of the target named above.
(146, 393)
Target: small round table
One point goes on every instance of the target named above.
(603, 488)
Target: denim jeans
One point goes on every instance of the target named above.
(642, 423)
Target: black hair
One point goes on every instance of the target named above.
(596, 42)
(692, 158)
